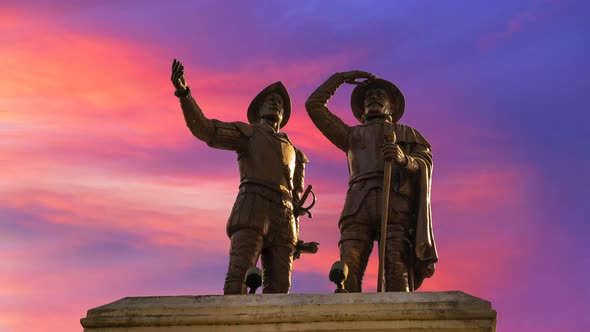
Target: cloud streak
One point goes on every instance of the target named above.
(105, 194)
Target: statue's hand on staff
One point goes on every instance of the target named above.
(392, 151)
(351, 77)
(178, 78)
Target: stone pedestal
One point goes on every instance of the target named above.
(375, 312)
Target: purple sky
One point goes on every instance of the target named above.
(105, 194)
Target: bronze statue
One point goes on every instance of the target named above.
(263, 221)
(409, 250)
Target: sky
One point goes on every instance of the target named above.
(104, 192)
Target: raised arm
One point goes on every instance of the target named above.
(329, 124)
(217, 134)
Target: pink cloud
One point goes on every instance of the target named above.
(96, 87)
(166, 210)
(483, 190)
(519, 23)
(78, 106)
(38, 280)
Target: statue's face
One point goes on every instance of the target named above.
(272, 109)
(377, 102)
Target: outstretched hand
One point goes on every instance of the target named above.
(351, 77)
(178, 77)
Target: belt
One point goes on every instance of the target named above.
(364, 177)
(278, 188)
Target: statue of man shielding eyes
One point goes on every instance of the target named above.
(394, 198)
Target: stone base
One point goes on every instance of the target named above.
(375, 312)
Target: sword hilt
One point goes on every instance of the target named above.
(300, 206)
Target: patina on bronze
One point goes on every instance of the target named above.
(262, 222)
(410, 251)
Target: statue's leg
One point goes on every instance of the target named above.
(357, 233)
(277, 253)
(396, 255)
(246, 245)
(355, 254)
(277, 261)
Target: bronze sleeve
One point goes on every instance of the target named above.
(298, 182)
(201, 127)
(299, 177)
(215, 133)
(329, 124)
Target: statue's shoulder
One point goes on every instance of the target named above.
(409, 135)
(244, 128)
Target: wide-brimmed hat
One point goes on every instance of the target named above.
(276, 87)
(358, 97)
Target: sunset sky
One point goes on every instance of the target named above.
(105, 194)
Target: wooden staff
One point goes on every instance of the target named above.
(389, 136)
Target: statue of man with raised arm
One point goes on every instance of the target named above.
(262, 222)
(410, 251)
